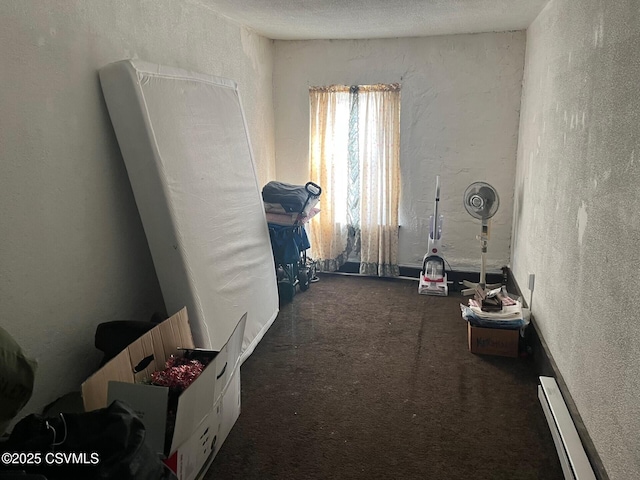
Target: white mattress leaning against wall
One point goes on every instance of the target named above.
(185, 144)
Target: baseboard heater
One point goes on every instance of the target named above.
(573, 458)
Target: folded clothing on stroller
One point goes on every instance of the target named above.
(291, 219)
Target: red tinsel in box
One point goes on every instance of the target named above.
(178, 374)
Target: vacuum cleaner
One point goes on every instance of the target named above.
(433, 277)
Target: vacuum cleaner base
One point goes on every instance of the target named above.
(433, 286)
(433, 278)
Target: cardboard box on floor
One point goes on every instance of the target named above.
(493, 341)
(206, 410)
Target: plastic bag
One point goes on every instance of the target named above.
(17, 375)
(105, 444)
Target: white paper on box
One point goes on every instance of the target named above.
(140, 398)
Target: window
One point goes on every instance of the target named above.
(354, 156)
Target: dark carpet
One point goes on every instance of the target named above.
(362, 378)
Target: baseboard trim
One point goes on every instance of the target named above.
(454, 277)
(546, 367)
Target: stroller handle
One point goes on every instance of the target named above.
(313, 189)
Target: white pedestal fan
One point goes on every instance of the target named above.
(481, 201)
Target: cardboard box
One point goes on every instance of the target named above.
(193, 458)
(200, 411)
(493, 341)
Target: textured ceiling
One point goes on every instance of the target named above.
(345, 19)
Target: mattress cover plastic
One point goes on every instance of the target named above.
(184, 140)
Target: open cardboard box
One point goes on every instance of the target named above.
(493, 341)
(201, 419)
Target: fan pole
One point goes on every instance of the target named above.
(482, 284)
(484, 235)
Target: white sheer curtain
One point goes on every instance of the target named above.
(379, 139)
(328, 168)
(355, 158)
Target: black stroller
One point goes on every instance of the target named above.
(288, 208)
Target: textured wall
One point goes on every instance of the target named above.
(73, 250)
(459, 119)
(577, 211)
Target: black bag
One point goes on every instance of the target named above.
(113, 337)
(293, 198)
(108, 444)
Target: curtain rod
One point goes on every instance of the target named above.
(378, 87)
